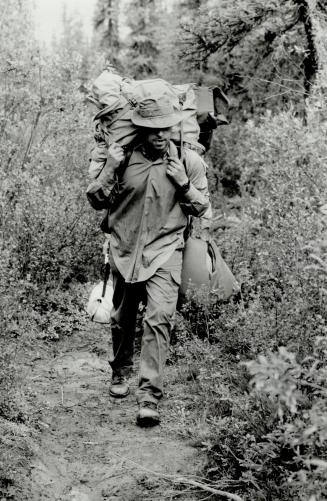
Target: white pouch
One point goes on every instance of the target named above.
(100, 301)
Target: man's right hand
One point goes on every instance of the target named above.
(116, 156)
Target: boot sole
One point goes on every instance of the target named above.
(115, 395)
(147, 422)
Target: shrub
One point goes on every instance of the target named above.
(268, 443)
(49, 240)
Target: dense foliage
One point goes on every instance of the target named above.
(267, 52)
(267, 440)
(49, 237)
(257, 403)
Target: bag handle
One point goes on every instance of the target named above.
(212, 254)
(106, 273)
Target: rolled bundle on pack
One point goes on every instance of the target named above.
(106, 92)
(110, 93)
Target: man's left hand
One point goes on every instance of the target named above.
(176, 171)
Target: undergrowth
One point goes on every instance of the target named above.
(256, 375)
(256, 404)
(49, 238)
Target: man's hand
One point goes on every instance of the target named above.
(176, 171)
(115, 156)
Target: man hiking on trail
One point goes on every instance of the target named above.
(148, 213)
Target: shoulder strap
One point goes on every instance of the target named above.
(180, 150)
(125, 163)
(182, 153)
(128, 153)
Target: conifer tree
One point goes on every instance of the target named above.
(184, 12)
(266, 52)
(143, 19)
(106, 24)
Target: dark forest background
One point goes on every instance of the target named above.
(259, 409)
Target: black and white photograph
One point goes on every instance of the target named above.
(163, 250)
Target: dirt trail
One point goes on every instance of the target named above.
(90, 448)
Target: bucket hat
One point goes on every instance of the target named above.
(156, 113)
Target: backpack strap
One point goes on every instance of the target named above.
(128, 153)
(181, 151)
(181, 156)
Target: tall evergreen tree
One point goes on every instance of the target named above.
(106, 24)
(143, 19)
(183, 12)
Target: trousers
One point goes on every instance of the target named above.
(160, 294)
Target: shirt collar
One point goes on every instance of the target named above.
(148, 156)
(170, 151)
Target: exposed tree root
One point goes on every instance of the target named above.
(206, 488)
(186, 481)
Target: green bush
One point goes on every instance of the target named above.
(268, 442)
(49, 236)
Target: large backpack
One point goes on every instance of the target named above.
(115, 98)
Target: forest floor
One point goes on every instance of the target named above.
(89, 447)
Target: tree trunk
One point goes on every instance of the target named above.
(311, 59)
(112, 29)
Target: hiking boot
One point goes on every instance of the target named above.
(118, 387)
(148, 414)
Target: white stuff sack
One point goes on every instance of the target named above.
(99, 306)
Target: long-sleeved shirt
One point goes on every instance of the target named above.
(147, 214)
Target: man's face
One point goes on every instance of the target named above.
(157, 139)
